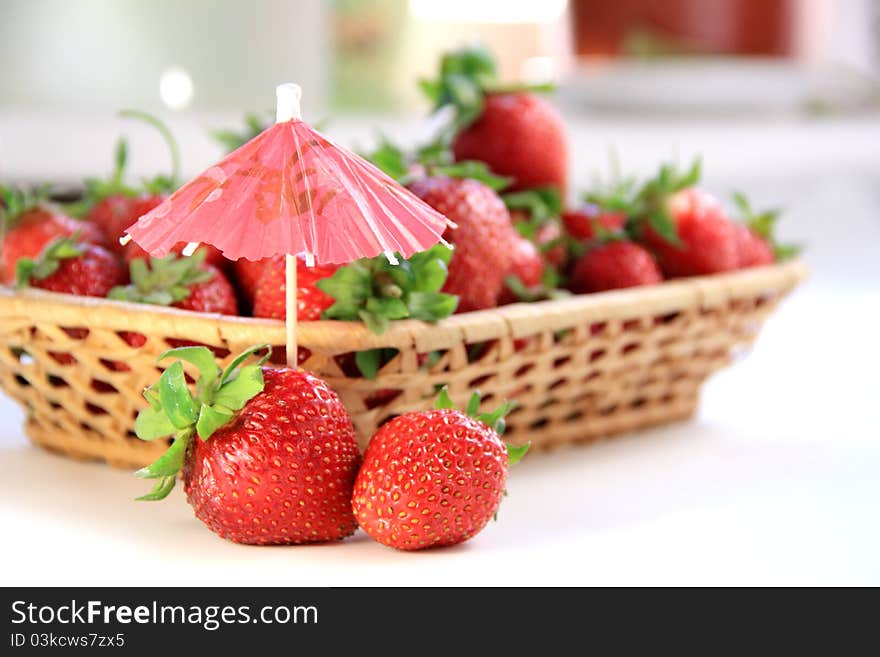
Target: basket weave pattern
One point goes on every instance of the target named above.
(579, 369)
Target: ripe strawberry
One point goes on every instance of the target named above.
(483, 241)
(707, 238)
(526, 266)
(182, 282)
(269, 300)
(65, 266)
(515, 132)
(117, 212)
(31, 225)
(247, 277)
(81, 269)
(756, 244)
(433, 478)
(519, 135)
(613, 265)
(268, 455)
(581, 222)
(213, 256)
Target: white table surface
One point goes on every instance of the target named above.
(775, 481)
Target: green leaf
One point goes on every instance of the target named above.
(389, 158)
(210, 419)
(515, 453)
(238, 391)
(204, 361)
(475, 170)
(430, 268)
(473, 407)
(541, 204)
(388, 308)
(152, 424)
(443, 400)
(495, 419)
(243, 356)
(170, 463)
(176, 399)
(368, 362)
(375, 323)
(664, 226)
(431, 306)
(160, 491)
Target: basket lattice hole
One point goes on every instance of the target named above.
(538, 424)
(94, 409)
(23, 382)
(57, 381)
(667, 319)
(596, 354)
(480, 380)
(22, 356)
(559, 362)
(633, 325)
(608, 410)
(598, 328)
(103, 387)
(638, 402)
(631, 347)
(524, 369)
(557, 384)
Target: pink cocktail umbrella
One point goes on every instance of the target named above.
(291, 191)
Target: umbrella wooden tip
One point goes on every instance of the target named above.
(287, 106)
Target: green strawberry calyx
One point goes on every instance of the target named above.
(495, 420)
(432, 159)
(374, 291)
(466, 75)
(165, 281)
(16, 201)
(230, 140)
(174, 411)
(763, 224)
(541, 204)
(648, 205)
(47, 263)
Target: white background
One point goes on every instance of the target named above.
(774, 482)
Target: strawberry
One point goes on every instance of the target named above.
(613, 265)
(484, 239)
(31, 225)
(247, 276)
(268, 455)
(182, 282)
(515, 132)
(213, 256)
(580, 222)
(65, 266)
(114, 205)
(71, 268)
(526, 266)
(433, 478)
(756, 244)
(269, 300)
(706, 240)
(549, 240)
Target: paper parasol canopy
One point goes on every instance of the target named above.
(291, 191)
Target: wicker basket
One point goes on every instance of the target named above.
(580, 368)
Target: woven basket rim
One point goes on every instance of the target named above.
(516, 320)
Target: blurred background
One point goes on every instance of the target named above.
(781, 97)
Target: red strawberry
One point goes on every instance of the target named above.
(268, 455)
(182, 282)
(707, 239)
(613, 265)
(117, 212)
(81, 269)
(580, 222)
(519, 135)
(526, 266)
(247, 275)
(752, 249)
(483, 240)
(433, 478)
(63, 266)
(548, 239)
(34, 228)
(269, 300)
(213, 256)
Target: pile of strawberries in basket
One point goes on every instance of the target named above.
(498, 169)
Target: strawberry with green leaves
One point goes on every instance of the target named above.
(69, 267)
(434, 478)
(31, 223)
(268, 455)
(484, 239)
(614, 264)
(113, 204)
(756, 243)
(513, 130)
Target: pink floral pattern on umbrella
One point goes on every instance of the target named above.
(291, 190)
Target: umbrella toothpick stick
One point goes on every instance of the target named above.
(287, 108)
